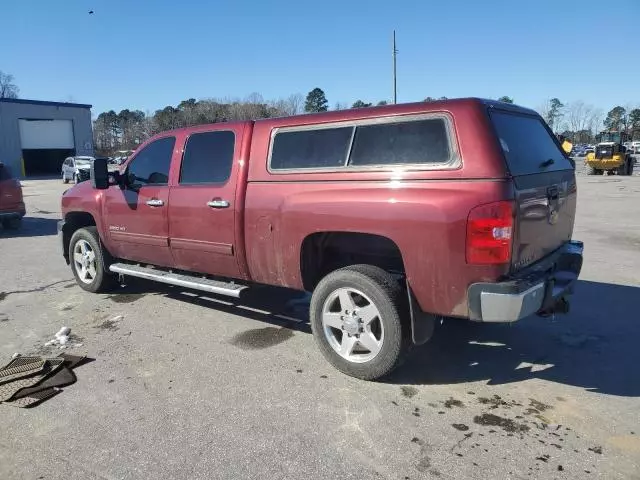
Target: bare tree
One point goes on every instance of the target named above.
(8, 89)
(577, 115)
(341, 106)
(292, 105)
(295, 104)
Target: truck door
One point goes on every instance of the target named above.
(202, 209)
(136, 215)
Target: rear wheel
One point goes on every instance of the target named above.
(90, 261)
(64, 178)
(356, 317)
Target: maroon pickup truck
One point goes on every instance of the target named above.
(394, 217)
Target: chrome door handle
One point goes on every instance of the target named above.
(154, 202)
(218, 203)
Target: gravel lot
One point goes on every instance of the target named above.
(186, 386)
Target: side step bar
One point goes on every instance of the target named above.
(180, 280)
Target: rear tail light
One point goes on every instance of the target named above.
(489, 234)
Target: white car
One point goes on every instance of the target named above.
(77, 169)
(635, 147)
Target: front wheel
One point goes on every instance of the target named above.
(356, 318)
(90, 261)
(65, 179)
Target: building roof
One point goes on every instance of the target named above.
(44, 103)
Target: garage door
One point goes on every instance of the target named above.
(46, 134)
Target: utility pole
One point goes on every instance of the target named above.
(395, 53)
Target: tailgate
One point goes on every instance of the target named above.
(545, 213)
(545, 186)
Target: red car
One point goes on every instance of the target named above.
(11, 202)
(393, 216)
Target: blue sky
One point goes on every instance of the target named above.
(142, 54)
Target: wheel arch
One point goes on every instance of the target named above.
(72, 222)
(327, 251)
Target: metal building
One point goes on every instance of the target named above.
(36, 136)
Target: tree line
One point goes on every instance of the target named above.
(582, 122)
(125, 130)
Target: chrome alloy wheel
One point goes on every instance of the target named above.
(352, 325)
(84, 259)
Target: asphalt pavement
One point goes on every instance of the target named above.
(191, 386)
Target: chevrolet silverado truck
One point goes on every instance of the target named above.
(393, 217)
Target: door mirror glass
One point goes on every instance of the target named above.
(99, 174)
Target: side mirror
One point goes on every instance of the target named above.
(99, 174)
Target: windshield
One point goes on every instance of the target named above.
(527, 144)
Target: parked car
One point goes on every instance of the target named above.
(76, 169)
(393, 216)
(635, 147)
(11, 200)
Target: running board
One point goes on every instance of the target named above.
(179, 280)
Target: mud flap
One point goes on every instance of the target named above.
(422, 324)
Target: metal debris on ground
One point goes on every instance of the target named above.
(29, 380)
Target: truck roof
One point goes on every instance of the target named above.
(383, 110)
(398, 109)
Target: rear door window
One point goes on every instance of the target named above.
(208, 158)
(527, 144)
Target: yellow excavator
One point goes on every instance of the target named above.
(610, 156)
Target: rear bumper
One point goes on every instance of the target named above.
(541, 289)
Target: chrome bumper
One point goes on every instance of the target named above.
(540, 289)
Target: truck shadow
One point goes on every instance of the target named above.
(32, 227)
(273, 305)
(595, 347)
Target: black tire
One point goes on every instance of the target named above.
(591, 170)
(630, 169)
(12, 223)
(103, 280)
(65, 180)
(622, 169)
(390, 300)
